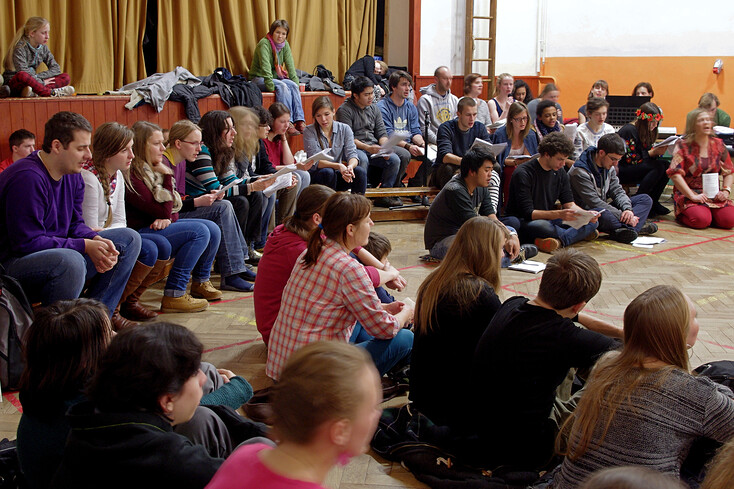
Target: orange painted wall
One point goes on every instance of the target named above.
(678, 81)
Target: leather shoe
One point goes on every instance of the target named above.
(136, 311)
(526, 251)
(119, 323)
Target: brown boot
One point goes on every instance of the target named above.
(139, 313)
(119, 323)
(131, 306)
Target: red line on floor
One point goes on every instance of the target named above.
(224, 301)
(10, 397)
(240, 343)
(687, 234)
(718, 344)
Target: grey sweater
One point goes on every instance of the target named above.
(27, 59)
(593, 187)
(657, 428)
(366, 124)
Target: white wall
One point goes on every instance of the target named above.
(670, 28)
(397, 14)
(442, 35)
(580, 28)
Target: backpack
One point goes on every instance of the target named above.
(10, 476)
(323, 72)
(16, 317)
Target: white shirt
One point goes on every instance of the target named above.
(95, 208)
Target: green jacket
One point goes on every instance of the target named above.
(262, 63)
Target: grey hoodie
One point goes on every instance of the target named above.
(440, 109)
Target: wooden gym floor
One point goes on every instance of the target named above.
(696, 261)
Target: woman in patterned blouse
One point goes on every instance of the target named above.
(699, 153)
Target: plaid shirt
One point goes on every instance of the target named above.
(324, 302)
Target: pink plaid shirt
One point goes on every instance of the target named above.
(323, 303)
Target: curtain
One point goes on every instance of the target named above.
(98, 42)
(201, 35)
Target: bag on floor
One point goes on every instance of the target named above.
(16, 316)
(721, 372)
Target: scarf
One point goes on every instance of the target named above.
(280, 68)
(154, 182)
(88, 165)
(543, 130)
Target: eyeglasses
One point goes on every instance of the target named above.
(195, 143)
(520, 119)
(614, 160)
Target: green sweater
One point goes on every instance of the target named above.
(262, 63)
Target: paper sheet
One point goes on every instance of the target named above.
(522, 157)
(324, 154)
(569, 130)
(647, 241)
(582, 218)
(528, 266)
(667, 141)
(230, 185)
(283, 181)
(498, 124)
(495, 149)
(710, 184)
(392, 141)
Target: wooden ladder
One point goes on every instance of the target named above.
(483, 33)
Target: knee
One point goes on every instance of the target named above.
(403, 340)
(360, 172)
(698, 217)
(71, 265)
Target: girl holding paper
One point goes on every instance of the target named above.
(185, 154)
(344, 172)
(698, 156)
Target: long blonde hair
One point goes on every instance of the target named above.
(656, 325)
(245, 148)
(720, 472)
(142, 131)
(472, 260)
(32, 24)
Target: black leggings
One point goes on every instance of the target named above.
(650, 175)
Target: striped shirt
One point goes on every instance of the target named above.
(324, 302)
(201, 178)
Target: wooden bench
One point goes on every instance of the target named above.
(410, 211)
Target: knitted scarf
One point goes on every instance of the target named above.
(280, 68)
(543, 130)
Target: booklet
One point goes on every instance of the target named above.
(324, 154)
(647, 241)
(282, 181)
(392, 141)
(230, 185)
(582, 218)
(495, 149)
(528, 266)
(497, 125)
(569, 130)
(521, 158)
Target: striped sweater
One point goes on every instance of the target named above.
(201, 178)
(658, 428)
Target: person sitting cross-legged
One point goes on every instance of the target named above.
(365, 119)
(594, 182)
(535, 187)
(466, 196)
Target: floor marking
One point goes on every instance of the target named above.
(239, 343)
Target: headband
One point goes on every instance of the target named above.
(644, 116)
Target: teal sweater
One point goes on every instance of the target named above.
(262, 63)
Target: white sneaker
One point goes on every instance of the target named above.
(63, 91)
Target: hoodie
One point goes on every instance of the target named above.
(403, 118)
(592, 186)
(440, 109)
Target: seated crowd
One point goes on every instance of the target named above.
(107, 212)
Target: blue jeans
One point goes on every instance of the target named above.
(286, 200)
(385, 353)
(194, 244)
(440, 249)
(288, 93)
(231, 252)
(153, 248)
(390, 167)
(641, 205)
(333, 179)
(541, 228)
(57, 274)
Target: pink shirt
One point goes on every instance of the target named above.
(324, 302)
(244, 470)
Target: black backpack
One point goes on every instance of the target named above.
(16, 316)
(323, 72)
